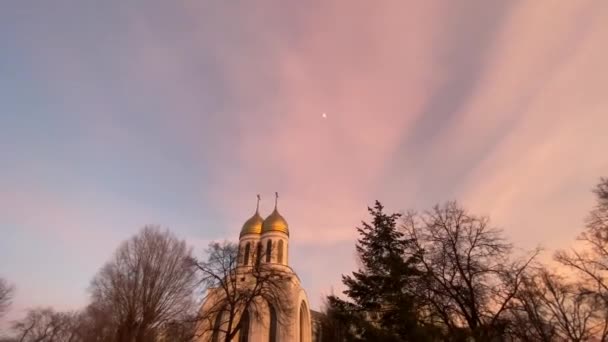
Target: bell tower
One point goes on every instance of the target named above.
(275, 237)
(264, 241)
(249, 239)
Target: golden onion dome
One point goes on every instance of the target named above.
(254, 224)
(275, 223)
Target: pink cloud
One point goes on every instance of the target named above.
(536, 179)
(363, 66)
(532, 125)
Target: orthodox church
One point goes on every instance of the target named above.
(268, 238)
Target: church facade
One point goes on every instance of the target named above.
(284, 318)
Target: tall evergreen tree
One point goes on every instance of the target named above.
(379, 307)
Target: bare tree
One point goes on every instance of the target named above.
(590, 262)
(148, 283)
(530, 318)
(549, 308)
(95, 324)
(233, 292)
(571, 309)
(7, 292)
(46, 325)
(469, 275)
(183, 330)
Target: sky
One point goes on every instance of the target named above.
(117, 114)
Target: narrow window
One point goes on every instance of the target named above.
(244, 327)
(268, 250)
(258, 252)
(216, 327)
(280, 252)
(272, 336)
(247, 251)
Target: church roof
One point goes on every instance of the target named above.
(275, 223)
(254, 224)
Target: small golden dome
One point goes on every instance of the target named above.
(275, 223)
(253, 225)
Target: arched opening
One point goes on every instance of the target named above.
(215, 336)
(258, 254)
(272, 333)
(247, 252)
(244, 327)
(268, 250)
(305, 331)
(280, 252)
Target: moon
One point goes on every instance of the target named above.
(324, 116)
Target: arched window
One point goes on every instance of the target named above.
(280, 252)
(258, 254)
(272, 334)
(268, 250)
(216, 327)
(305, 329)
(244, 327)
(247, 252)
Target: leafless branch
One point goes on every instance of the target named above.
(230, 289)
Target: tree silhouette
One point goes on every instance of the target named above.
(591, 261)
(469, 275)
(148, 283)
(379, 306)
(7, 292)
